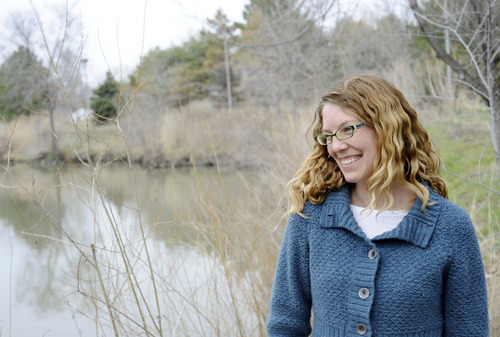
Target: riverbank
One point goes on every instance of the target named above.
(196, 135)
(158, 162)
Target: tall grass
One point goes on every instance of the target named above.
(219, 285)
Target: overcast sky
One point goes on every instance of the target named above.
(115, 29)
(118, 31)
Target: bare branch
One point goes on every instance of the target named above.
(443, 55)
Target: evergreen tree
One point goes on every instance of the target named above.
(175, 75)
(22, 82)
(104, 103)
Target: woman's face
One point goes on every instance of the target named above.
(355, 155)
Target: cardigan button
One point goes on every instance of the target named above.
(361, 329)
(364, 293)
(372, 254)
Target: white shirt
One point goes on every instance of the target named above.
(377, 222)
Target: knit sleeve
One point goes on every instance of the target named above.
(465, 298)
(290, 309)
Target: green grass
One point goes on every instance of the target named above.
(464, 142)
(470, 168)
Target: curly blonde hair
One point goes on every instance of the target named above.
(404, 149)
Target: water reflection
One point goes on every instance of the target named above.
(53, 224)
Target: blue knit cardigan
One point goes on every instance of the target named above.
(425, 278)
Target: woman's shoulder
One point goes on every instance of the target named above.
(454, 220)
(313, 215)
(335, 197)
(309, 213)
(449, 211)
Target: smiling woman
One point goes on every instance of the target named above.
(372, 245)
(355, 154)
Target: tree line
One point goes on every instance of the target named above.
(283, 54)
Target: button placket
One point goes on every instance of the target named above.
(362, 290)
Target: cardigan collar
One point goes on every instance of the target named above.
(416, 228)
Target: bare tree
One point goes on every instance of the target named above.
(220, 36)
(156, 79)
(370, 45)
(474, 29)
(284, 47)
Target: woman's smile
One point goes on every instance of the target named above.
(355, 156)
(349, 160)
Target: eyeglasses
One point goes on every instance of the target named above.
(342, 134)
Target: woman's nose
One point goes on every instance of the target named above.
(337, 145)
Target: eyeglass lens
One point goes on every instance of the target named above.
(341, 134)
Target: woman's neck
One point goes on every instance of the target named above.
(403, 197)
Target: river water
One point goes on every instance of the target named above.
(57, 225)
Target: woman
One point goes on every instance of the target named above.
(372, 245)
